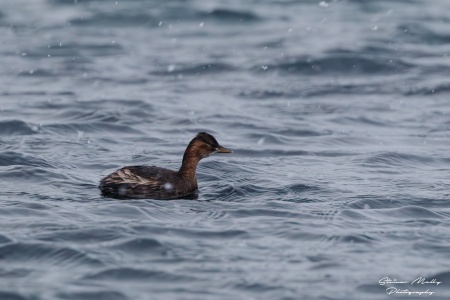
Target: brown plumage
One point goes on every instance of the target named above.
(158, 183)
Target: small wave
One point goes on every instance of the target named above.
(38, 73)
(439, 247)
(402, 213)
(89, 127)
(16, 127)
(268, 93)
(259, 287)
(355, 64)
(271, 153)
(72, 2)
(211, 234)
(78, 56)
(139, 245)
(200, 69)
(134, 274)
(398, 159)
(21, 173)
(361, 120)
(325, 89)
(120, 19)
(4, 295)
(260, 212)
(94, 295)
(421, 34)
(354, 239)
(443, 88)
(15, 273)
(123, 211)
(372, 202)
(4, 239)
(89, 115)
(302, 132)
(50, 255)
(299, 189)
(228, 15)
(11, 158)
(81, 236)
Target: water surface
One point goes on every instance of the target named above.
(337, 112)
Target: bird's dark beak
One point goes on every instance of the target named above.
(221, 149)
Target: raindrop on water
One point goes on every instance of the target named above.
(80, 134)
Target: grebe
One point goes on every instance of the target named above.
(159, 183)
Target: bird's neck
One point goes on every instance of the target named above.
(190, 162)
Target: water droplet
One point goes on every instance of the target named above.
(261, 141)
(80, 134)
(170, 68)
(122, 190)
(201, 24)
(168, 186)
(160, 23)
(323, 4)
(374, 28)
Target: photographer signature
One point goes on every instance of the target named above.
(419, 281)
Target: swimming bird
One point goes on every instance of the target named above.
(159, 183)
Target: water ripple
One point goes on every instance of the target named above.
(16, 127)
(334, 64)
(134, 274)
(337, 113)
(401, 213)
(49, 255)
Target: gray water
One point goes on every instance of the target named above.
(337, 112)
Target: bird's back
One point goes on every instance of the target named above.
(146, 182)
